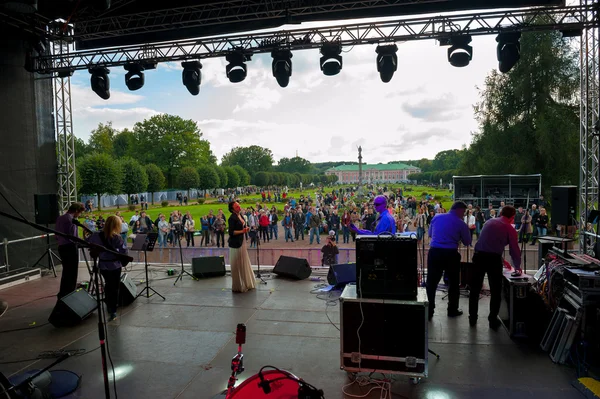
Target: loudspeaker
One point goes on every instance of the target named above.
(72, 309)
(127, 291)
(295, 268)
(46, 208)
(564, 202)
(342, 274)
(208, 266)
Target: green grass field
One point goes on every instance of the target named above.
(250, 200)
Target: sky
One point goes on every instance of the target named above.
(426, 108)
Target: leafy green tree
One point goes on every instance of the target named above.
(233, 179)
(253, 159)
(99, 174)
(222, 176)
(156, 179)
(243, 174)
(261, 179)
(447, 160)
(295, 164)
(188, 178)
(209, 177)
(135, 179)
(124, 144)
(172, 143)
(101, 138)
(528, 118)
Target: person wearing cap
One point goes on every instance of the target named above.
(385, 221)
(496, 234)
(330, 250)
(447, 231)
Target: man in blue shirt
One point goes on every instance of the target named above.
(385, 221)
(447, 231)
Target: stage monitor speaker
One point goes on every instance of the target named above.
(294, 268)
(72, 309)
(342, 274)
(564, 203)
(127, 291)
(208, 266)
(46, 208)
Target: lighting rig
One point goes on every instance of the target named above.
(387, 61)
(237, 69)
(192, 76)
(331, 61)
(282, 66)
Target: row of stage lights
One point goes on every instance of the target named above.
(460, 54)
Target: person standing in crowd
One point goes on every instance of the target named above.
(447, 231)
(109, 266)
(219, 227)
(163, 231)
(526, 229)
(330, 251)
(242, 277)
(535, 214)
(385, 221)
(205, 231)
(334, 224)
(541, 225)
(287, 226)
(420, 222)
(314, 224)
(124, 229)
(145, 223)
(346, 220)
(67, 249)
(495, 236)
(263, 222)
(190, 229)
(299, 222)
(470, 221)
(273, 228)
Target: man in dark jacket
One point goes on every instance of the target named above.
(334, 224)
(145, 223)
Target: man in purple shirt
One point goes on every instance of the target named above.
(496, 234)
(67, 249)
(447, 231)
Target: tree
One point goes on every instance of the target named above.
(243, 174)
(528, 118)
(101, 138)
(222, 176)
(447, 160)
(261, 179)
(135, 179)
(172, 143)
(233, 179)
(295, 164)
(209, 178)
(156, 179)
(124, 144)
(253, 159)
(99, 174)
(188, 178)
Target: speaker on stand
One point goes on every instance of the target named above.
(46, 212)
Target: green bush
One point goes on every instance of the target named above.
(164, 203)
(131, 207)
(200, 201)
(423, 194)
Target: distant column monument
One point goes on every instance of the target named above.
(360, 191)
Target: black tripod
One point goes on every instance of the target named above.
(50, 254)
(258, 275)
(149, 246)
(178, 236)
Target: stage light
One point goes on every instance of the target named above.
(508, 50)
(237, 69)
(282, 66)
(192, 76)
(100, 82)
(134, 79)
(331, 62)
(387, 61)
(460, 53)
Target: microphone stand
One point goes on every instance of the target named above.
(95, 251)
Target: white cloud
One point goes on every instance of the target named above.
(85, 97)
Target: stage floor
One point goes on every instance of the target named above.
(182, 347)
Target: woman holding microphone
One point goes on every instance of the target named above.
(242, 275)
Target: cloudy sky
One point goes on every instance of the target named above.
(426, 108)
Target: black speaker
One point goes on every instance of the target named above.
(46, 208)
(342, 274)
(295, 268)
(208, 266)
(564, 203)
(72, 309)
(127, 291)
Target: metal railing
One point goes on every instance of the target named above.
(5, 243)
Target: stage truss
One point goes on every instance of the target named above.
(583, 17)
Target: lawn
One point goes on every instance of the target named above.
(250, 200)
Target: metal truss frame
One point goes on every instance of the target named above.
(589, 173)
(65, 139)
(438, 27)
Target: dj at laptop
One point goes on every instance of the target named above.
(385, 221)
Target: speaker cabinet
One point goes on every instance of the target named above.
(208, 266)
(127, 291)
(46, 208)
(294, 268)
(342, 274)
(564, 203)
(72, 309)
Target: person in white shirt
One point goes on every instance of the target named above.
(470, 221)
(134, 218)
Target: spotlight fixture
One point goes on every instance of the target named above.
(237, 69)
(387, 61)
(192, 76)
(331, 62)
(282, 66)
(100, 81)
(460, 53)
(508, 50)
(134, 79)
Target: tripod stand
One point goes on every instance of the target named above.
(178, 236)
(258, 275)
(50, 254)
(148, 245)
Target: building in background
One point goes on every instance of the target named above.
(379, 173)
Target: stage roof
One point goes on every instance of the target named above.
(141, 21)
